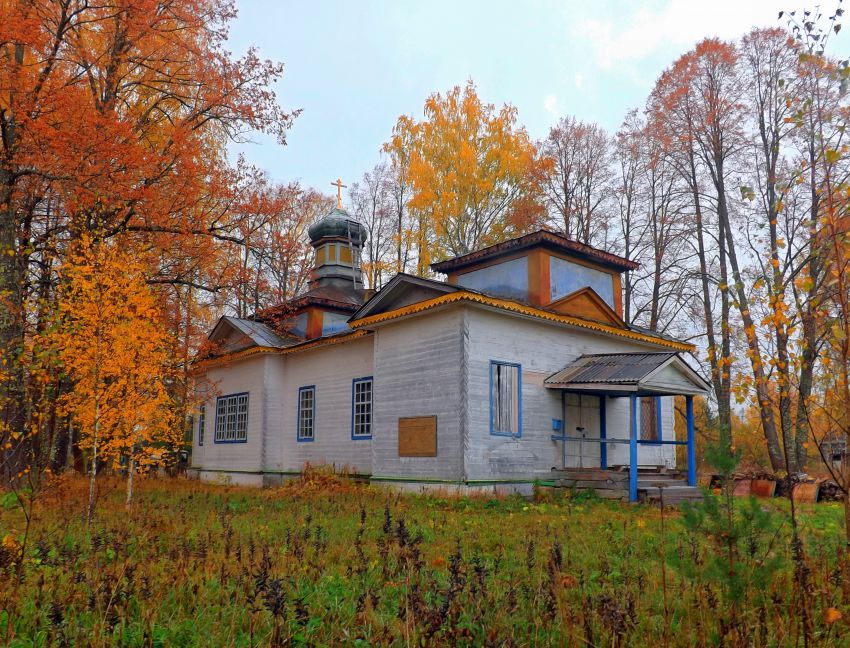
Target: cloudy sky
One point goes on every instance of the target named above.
(355, 66)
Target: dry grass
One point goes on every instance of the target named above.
(327, 561)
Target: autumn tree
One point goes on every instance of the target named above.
(822, 289)
(651, 204)
(673, 109)
(275, 256)
(374, 204)
(110, 342)
(470, 169)
(576, 179)
(115, 118)
(768, 61)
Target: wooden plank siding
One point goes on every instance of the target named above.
(541, 349)
(240, 459)
(418, 368)
(331, 370)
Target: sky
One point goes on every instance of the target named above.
(354, 67)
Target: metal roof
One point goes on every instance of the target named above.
(259, 333)
(546, 238)
(610, 368)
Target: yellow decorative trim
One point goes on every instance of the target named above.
(514, 307)
(260, 350)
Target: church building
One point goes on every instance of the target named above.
(515, 367)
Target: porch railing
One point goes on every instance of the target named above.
(603, 440)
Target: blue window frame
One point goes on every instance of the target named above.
(505, 399)
(306, 423)
(202, 421)
(650, 419)
(231, 418)
(361, 408)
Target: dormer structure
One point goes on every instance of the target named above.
(547, 270)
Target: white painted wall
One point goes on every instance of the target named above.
(246, 375)
(331, 369)
(541, 349)
(418, 369)
(435, 363)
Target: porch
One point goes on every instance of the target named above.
(654, 484)
(642, 378)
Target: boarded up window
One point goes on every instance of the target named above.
(417, 436)
(505, 408)
(648, 418)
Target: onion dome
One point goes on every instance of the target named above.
(338, 224)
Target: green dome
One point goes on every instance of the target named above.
(338, 224)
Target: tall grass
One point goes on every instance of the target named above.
(326, 561)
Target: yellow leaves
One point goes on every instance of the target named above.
(832, 615)
(114, 348)
(832, 156)
(805, 282)
(10, 544)
(774, 262)
(470, 168)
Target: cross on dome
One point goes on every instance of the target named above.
(338, 184)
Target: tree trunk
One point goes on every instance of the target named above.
(777, 460)
(130, 473)
(724, 409)
(93, 478)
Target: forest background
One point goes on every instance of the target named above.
(127, 231)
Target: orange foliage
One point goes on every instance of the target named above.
(471, 170)
(115, 120)
(111, 344)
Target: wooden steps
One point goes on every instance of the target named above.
(655, 484)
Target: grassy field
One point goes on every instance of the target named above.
(328, 562)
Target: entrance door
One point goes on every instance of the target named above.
(582, 420)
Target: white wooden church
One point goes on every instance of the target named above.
(516, 367)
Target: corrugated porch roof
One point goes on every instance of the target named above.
(627, 373)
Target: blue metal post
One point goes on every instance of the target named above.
(658, 423)
(633, 448)
(692, 457)
(603, 447)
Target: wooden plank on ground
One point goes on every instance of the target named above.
(598, 485)
(806, 493)
(591, 475)
(763, 488)
(743, 488)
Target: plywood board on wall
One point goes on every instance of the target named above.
(417, 436)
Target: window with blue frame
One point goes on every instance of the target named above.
(505, 398)
(231, 419)
(361, 408)
(306, 413)
(202, 420)
(650, 419)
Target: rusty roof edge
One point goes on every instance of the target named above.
(538, 236)
(501, 304)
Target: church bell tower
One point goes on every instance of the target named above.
(338, 241)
